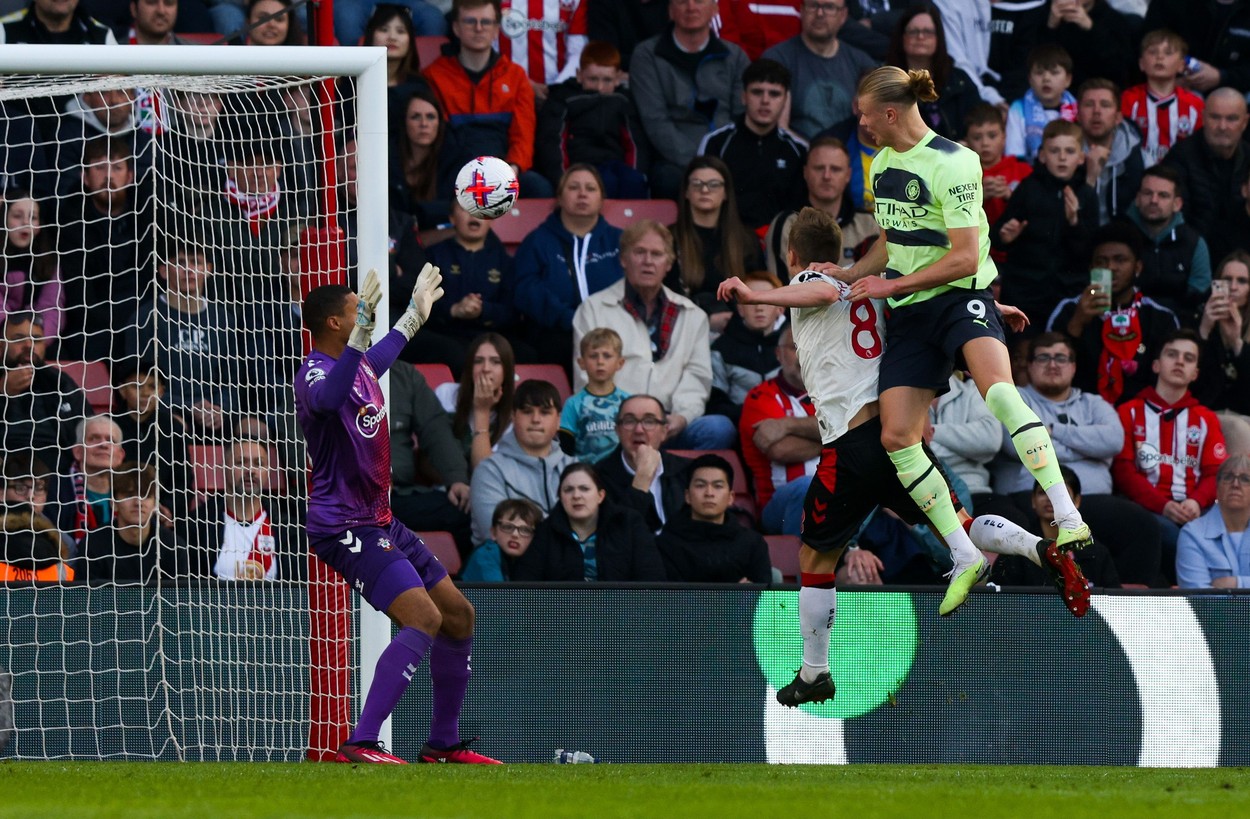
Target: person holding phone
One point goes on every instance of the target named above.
(1224, 377)
(1118, 332)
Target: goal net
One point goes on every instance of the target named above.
(165, 208)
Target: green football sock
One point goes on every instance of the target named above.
(1031, 440)
(922, 480)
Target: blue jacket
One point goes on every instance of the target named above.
(548, 264)
(1205, 551)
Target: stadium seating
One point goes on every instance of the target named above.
(516, 224)
(443, 545)
(435, 374)
(429, 47)
(93, 377)
(744, 500)
(624, 212)
(547, 372)
(783, 552)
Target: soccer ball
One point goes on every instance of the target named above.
(486, 187)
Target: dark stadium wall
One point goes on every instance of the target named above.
(655, 675)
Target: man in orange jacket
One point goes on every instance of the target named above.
(487, 98)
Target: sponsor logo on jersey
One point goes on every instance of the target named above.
(1149, 457)
(369, 419)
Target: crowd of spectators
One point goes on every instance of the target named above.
(1116, 178)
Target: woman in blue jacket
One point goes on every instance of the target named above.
(572, 255)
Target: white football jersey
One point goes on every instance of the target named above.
(840, 350)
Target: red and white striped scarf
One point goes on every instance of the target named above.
(256, 207)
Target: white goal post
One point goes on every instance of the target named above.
(171, 669)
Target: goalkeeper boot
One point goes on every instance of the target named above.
(458, 753)
(801, 691)
(1066, 576)
(372, 752)
(963, 577)
(1073, 535)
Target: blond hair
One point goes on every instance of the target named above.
(891, 84)
(633, 234)
(601, 337)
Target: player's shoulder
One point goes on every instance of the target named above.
(806, 276)
(314, 369)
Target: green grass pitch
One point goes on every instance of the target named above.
(152, 789)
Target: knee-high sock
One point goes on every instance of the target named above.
(922, 480)
(449, 677)
(993, 533)
(393, 673)
(1033, 445)
(818, 604)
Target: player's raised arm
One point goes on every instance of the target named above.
(425, 292)
(816, 291)
(341, 330)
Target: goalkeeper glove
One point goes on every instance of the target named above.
(370, 294)
(427, 291)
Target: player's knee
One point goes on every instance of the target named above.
(459, 620)
(896, 438)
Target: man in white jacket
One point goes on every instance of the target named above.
(664, 336)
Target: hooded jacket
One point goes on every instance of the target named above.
(511, 473)
(696, 551)
(493, 116)
(556, 271)
(30, 548)
(624, 549)
(1176, 265)
(678, 109)
(1121, 177)
(1171, 451)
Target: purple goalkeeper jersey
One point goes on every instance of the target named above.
(342, 412)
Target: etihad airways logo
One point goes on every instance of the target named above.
(369, 419)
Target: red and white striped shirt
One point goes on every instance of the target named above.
(1171, 451)
(1163, 121)
(770, 399)
(544, 37)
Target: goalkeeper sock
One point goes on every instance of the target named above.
(926, 486)
(391, 677)
(449, 677)
(992, 533)
(818, 605)
(1033, 445)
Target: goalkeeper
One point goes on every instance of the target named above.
(340, 408)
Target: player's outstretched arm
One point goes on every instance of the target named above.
(369, 296)
(795, 294)
(428, 290)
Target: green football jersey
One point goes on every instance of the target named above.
(920, 195)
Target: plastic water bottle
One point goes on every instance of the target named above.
(1192, 65)
(564, 757)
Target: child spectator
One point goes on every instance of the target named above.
(151, 433)
(746, 352)
(986, 133)
(588, 420)
(1048, 99)
(511, 532)
(1095, 560)
(1047, 225)
(32, 277)
(487, 98)
(1163, 110)
(703, 543)
(136, 546)
(478, 280)
(591, 119)
(1173, 446)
